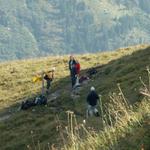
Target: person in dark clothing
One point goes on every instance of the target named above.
(73, 75)
(73, 70)
(71, 63)
(49, 76)
(92, 100)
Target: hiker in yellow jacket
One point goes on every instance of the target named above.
(49, 76)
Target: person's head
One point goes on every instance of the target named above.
(53, 69)
(71, 57)
(92, 88)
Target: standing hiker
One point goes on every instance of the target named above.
(92, 100)
(73, 70)
(71, 63)
(49, 76)
(73, 75)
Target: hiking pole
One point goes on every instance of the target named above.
(101, 108)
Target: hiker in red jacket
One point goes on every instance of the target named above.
(72, 68)
(77, 66)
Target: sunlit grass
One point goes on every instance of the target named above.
(123, 66)
(118, 118)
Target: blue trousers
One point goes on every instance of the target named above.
(73, 79)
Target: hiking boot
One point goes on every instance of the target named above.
(97, 114)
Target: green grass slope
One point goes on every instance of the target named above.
(39, 125)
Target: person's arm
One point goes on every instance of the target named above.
(69, 65)
(79, 67)
(97, 96)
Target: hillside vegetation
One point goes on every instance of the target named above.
(31, 28)
(38, 126)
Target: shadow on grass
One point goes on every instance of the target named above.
(18, 124)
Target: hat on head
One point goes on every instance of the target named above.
(53, 69)
(71, 56)
(92, 88)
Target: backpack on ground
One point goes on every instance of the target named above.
(27, 104)
(41, 100)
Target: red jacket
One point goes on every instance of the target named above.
(78, 68)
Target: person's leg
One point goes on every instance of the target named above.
(71, 76)
(74, 80)
(48, 86)
(96, 113)
(77, 80)
(88, 111)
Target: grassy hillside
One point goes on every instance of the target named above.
(123, 66)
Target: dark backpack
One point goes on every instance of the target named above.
(41, 100)
(27, 104)
(47, 78)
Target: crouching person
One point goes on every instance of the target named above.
(49, 76)
(92, 101)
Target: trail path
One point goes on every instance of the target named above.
(74, 94)
(51, 97)
(6, 115)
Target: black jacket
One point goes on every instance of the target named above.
(92, 98)
(71, 63)
(72, 67)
